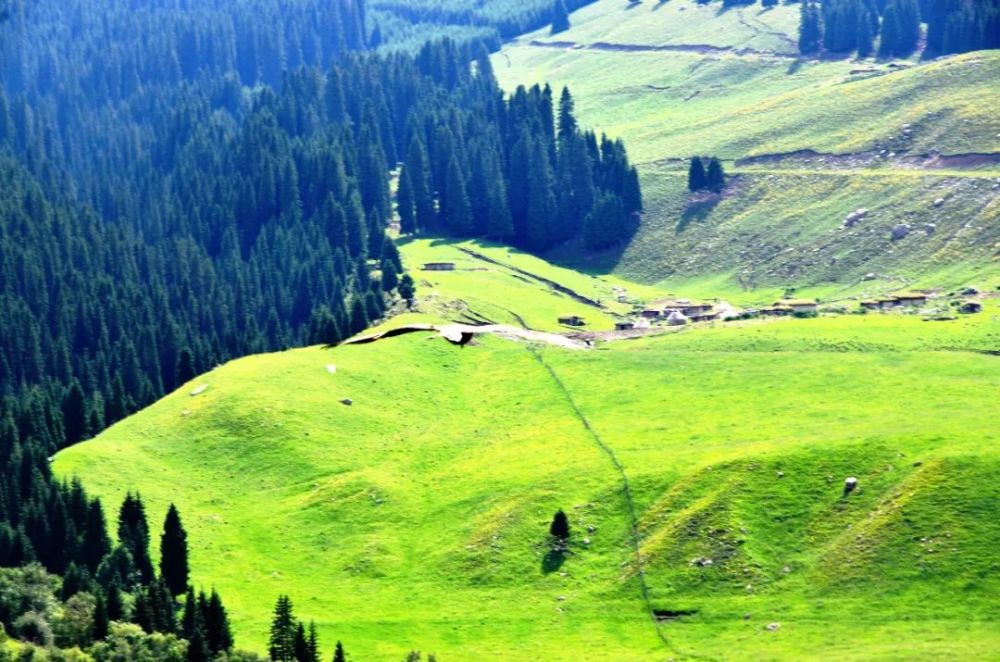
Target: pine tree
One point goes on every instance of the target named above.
(864, 35)
(74, 411)
(96, 543)
(696, 175)
(560, 17)
(715, 178)
(407, 290)
(338, 654)
(301, 644)
(185, 367)
(220, 637)
(282, 641)
(102, 624)
(114, 604)
(455, 204)
(567, 122)
(191, 617)
(174, 553)
(133, 535)
(810, 30)
(559, 529)
(198, 647)
(404, 203)
(312, 644)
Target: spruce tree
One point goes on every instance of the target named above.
(174, 553)
(338, 653)
(407, 289)
(715, 178)
(559, 529)
(102, 624)
(281, 645)
(864, 35)
(198, 647)
(312, 644)
(810, 30)
(74, 411)
(114, 604)
(301, 644)
(133, 535)
(567, 122)
(96, 543)
(185, 367)
(404, 203)
(220, 637)
(696, 175)
(560, 17)
(455, 205)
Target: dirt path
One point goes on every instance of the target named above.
(553, 285)
(867, 159)
(704, 49)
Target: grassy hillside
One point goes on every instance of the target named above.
(395, 529)
(679, 78)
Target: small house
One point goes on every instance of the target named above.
(913, 299)
(798, 306)
(694, 310)
(438, 266)
(776, 311)
(624, 326)
(888, 303)
(571, 320)
(651, 313)
(870, 304)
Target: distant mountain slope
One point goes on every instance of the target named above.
(416, 517)
(681, 78)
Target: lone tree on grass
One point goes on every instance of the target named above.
(696, 174)
(715, 179)
(407, 289)
(559, 529)
(174, 553)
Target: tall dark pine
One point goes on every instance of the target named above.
(560, 17)
(133, 535)
(810, 35)
(74, 412)
(174, 553)
(715, 178)
(567, 121)
(696, 174)
(95, 538)
(338, 653)
(281, 645)
(559, 529)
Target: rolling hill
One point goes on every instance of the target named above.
(808, 140)
(397, 530)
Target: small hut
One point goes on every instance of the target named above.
(571, 320)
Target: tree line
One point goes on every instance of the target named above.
(515, 170)
(846, 26)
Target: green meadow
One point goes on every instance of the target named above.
(417, 516)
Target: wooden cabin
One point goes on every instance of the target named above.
(438, 266)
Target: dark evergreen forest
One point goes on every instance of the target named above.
(183, 182)
(846, 26)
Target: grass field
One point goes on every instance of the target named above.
(398, 530)
(728, 85)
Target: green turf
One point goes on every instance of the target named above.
(415, 518)
(779, 224)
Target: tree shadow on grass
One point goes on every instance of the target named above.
(697, 210)
(552, 561)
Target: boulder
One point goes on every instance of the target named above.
(346, 401)
(850, 484)
(900, 230)
(772, 627)
(852, 218)
(929, 228)
(939, 202)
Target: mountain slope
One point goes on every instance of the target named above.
(416, 516)
(681, 78)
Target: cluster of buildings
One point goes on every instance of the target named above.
(915, 299)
